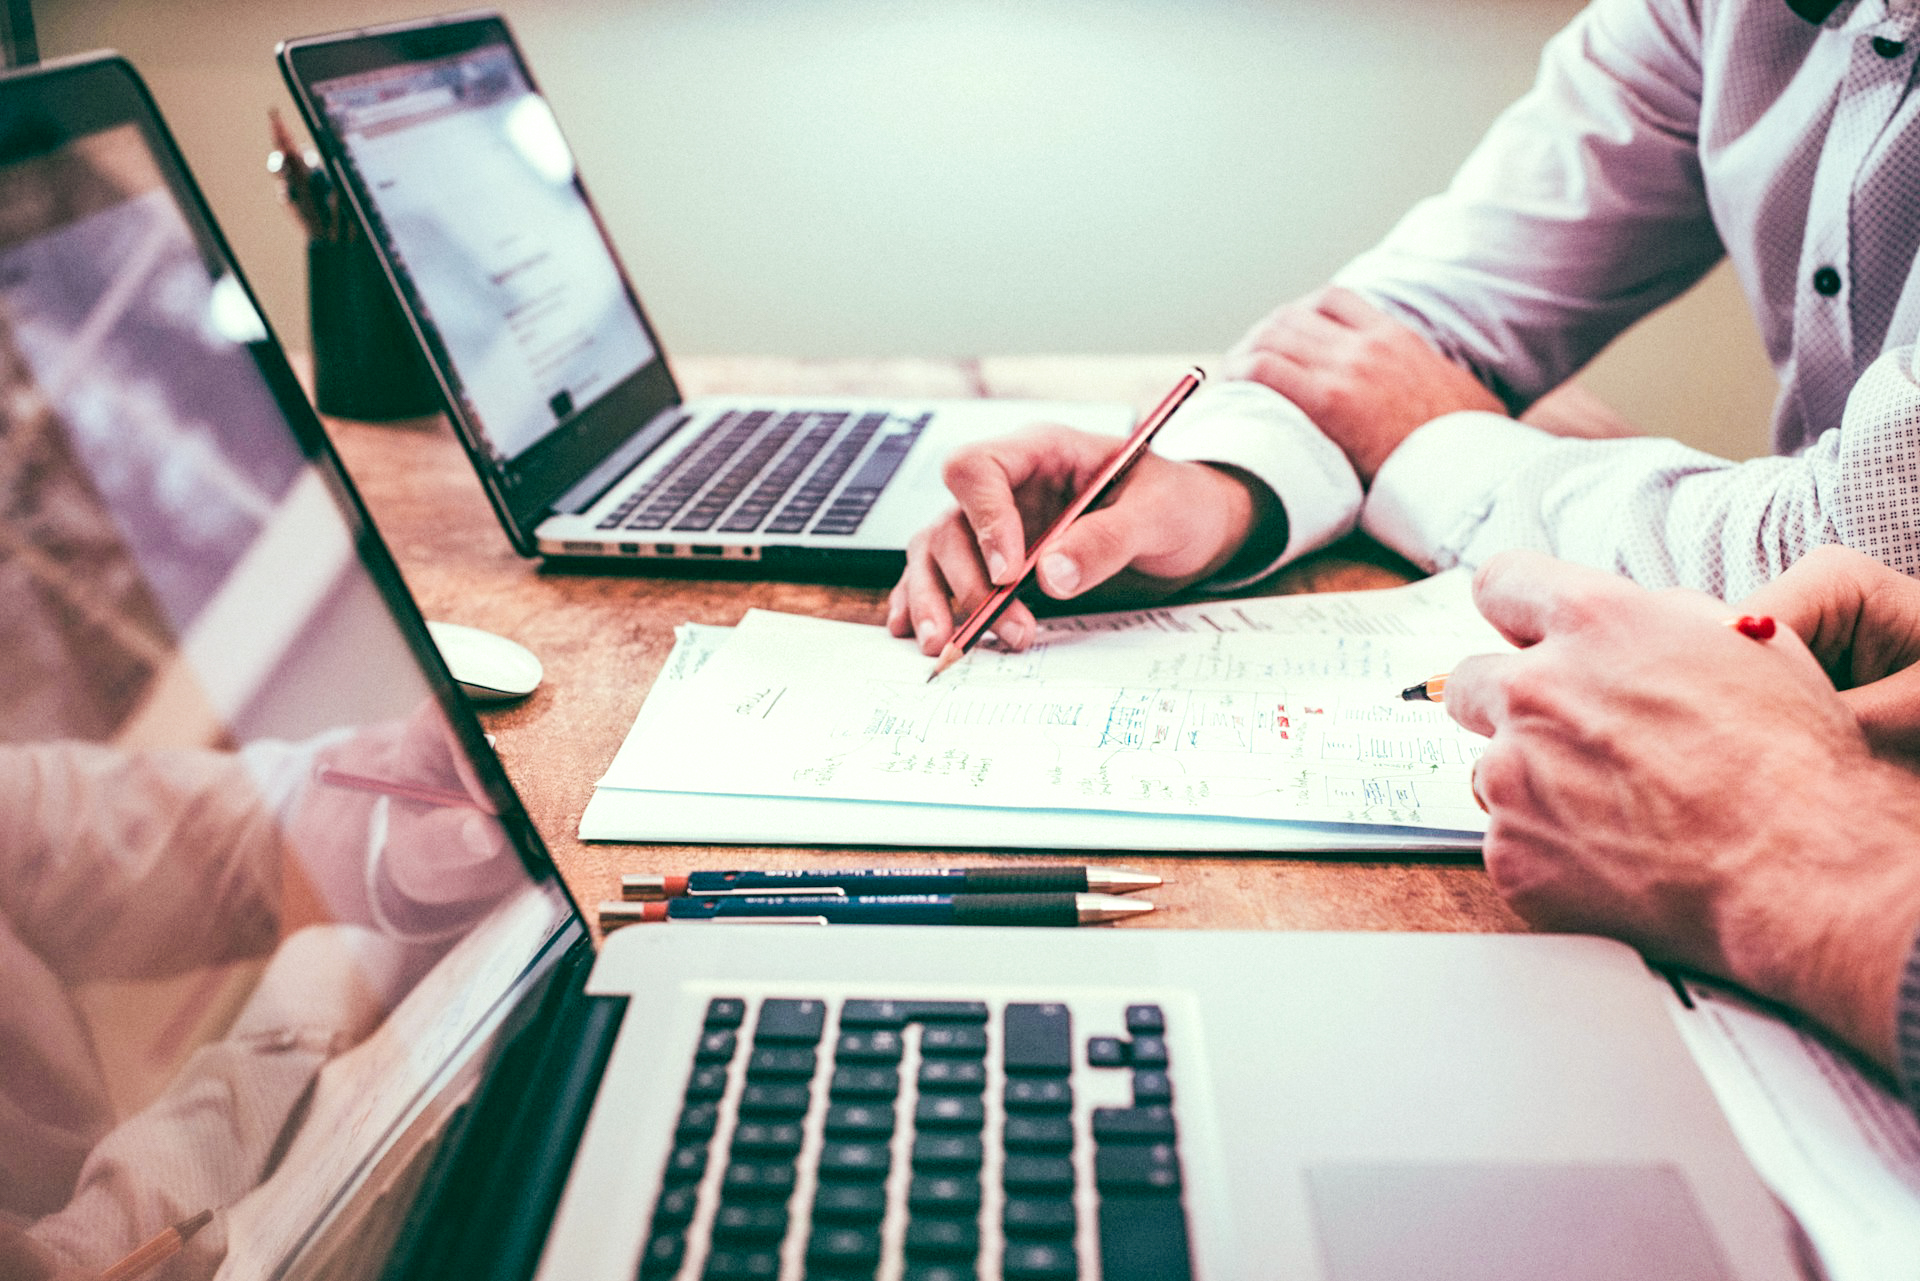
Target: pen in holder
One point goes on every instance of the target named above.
(366, 362)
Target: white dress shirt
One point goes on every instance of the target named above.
(1660, 135)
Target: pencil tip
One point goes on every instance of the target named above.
(1414, 693)
(948, 657)
(187, 1227)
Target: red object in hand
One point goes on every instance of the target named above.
(1761, 628)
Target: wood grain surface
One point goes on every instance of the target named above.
(604, 637)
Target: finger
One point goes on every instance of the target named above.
(929, 608)
(1526, 594)
(1093, 549)
(898, 623)
(1888, 711)
(1860, 618)
(1016, 627)
(1349, 309)
(984, 479)
(1477, 692)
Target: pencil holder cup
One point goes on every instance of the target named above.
(366, 362)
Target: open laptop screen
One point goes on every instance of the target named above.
(257, 893)
(476, 200)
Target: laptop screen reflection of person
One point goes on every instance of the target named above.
(553, 374)
(363, 1028)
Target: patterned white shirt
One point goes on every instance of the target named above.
(1660, 136)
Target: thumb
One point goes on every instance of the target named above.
(1095, 548)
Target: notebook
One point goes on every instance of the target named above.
(552, 373)
(293, 988)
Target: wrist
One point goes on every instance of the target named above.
(1826, 921)
(1253, 522)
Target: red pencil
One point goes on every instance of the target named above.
(420, 792)
(1109, 478)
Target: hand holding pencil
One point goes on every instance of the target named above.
(1171, 524)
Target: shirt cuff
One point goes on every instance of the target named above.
(1438, 486)
(1906, 1028)
(1249, 426)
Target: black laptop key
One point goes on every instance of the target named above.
(675, 1207)
(942, 1238)
(1039, 1261)
(780, 1063)
(1034, 1216)
(1043, 1095)
(848, 1161)
(952, 1076)
(850, 1202)
(1148, 1052)
(866, 1013)
(879, 1045)
(798, 1021)
(749, 1222)
(696, 1122)
(1042, 1174)
(757, 1181)
(1051, 1134)
(775, 1101)
(844, 1247)
(1133, 1125)
(865, 1082)
(707, 1083)
(686, 1165)
(1151, 1087)
(1136, 1167)
(944, 1193)
(716, 1046)
(766, 1139)
(947, 1011)
(1106, 1052)
(742, 1265)
(1143, 1238)
(662, 1256)
(1037, 1039)
(919, 1271)
(726, 1011)
(947, 1151)
(949, 1112)
(954, 1042)
(1146, 1020)
(859, 1121)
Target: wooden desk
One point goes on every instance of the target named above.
(604, 637)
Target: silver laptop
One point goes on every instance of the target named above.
(291, 987)
(553, 375)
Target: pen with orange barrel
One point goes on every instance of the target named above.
(1102, 485)
(1433, 689)
(157, 1249)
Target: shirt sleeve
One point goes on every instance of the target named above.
(1583, 208)
(1906, 1028)
(1655, 510)
(1251, 427)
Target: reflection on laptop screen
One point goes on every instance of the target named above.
(254, 900)
(480, 213)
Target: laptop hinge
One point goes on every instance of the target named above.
(485, 1213)
(587, 491)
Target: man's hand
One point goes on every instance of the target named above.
(1171, 524)
(1657, 776)
(1365, 379)
(1861, 619)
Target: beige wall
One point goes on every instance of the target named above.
(837, 177)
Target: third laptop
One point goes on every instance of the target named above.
(551, 372)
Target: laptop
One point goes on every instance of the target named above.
(294, 990)
(553, 376)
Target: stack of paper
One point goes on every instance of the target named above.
(1270, 724)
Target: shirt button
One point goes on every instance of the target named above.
(1888, 48)
(1826, 282)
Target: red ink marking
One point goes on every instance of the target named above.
(1759, 629)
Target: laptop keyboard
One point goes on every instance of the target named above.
(750, 468)
(922, 1140)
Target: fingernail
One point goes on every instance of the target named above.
(1063, 576)
(925, 630)
(1016, 634)
(996, 567)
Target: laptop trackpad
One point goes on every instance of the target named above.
(1507, 1222)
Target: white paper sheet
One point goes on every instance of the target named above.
(1836, 1146)
(1257, 724)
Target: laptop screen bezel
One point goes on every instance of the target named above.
(522, 490)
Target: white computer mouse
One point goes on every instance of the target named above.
(491, 669)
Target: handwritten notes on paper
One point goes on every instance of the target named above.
(1283, 708)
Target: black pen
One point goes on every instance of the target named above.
(887, 909)
(892, 880)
